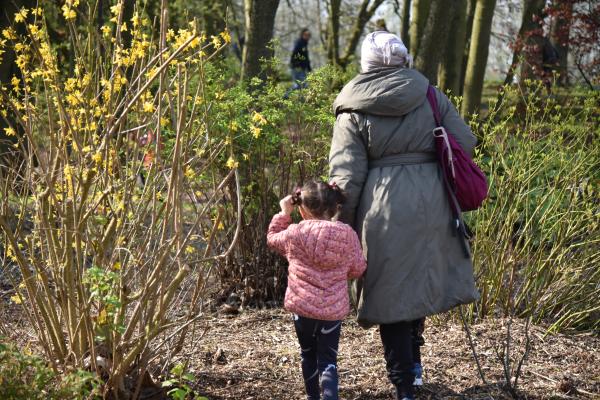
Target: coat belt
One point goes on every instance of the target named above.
(403, 159)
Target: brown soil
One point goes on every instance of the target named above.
(254, 355)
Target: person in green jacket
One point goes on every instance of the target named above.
(383, 156)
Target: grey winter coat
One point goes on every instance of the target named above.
(415, 264)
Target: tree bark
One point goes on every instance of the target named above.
(404, 35)
(531, 8)
(531, 36)
(333, 32)
(451, 65)
(419, 13)
(559, 32)
(478, 55)
(469, 28)
(431, 47)
(260, 19)
(365, 13)
(8, 68)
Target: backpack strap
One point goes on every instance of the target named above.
(432, 98)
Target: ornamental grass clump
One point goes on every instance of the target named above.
(110, 204)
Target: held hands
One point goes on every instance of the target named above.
(286, 205)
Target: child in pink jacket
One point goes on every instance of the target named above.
(323, 254)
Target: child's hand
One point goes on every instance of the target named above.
(286, 205)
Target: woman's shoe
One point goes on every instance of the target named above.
(418, 371)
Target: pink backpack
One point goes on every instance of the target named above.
(465, 182)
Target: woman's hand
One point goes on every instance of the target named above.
(286, 205)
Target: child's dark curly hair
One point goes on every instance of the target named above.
(321, 199)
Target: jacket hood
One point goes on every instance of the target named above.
(385, 91)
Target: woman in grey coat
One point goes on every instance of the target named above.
(383, 157)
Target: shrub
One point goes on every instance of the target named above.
(536, 243)
(25, 376)
(117, 204)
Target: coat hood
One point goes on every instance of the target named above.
(385, 91)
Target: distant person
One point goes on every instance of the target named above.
(300, 61)
(550, 62)
(323, 254)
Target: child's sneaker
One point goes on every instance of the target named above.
(418, 371)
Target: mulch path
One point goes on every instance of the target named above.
(254, 355)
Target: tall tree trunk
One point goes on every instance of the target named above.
(451, 65)
(531, 10)
(8, 68)
(419, 13)
(333, 32)
(404, 35)
(469, 29)
(478, 55)
(431, 45)
(531, 35)
(365, 13)
(260, 19)
(213, 16)
(560, 32)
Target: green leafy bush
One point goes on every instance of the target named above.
(24, 376)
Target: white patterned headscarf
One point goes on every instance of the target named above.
(383, 49)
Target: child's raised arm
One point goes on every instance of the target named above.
(358, 264)
(278, 234)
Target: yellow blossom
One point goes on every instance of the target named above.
(189, 173)
(255, 131)
(9, 33)
(258, 118)
(220, 226)
(35, 31)
(216, 41)
(148, 107)
(117, 266)
(190, 250)
(135, 20)
(16, 299)
(102, 316)
(106, 30)
(226, 36)
(233, 126)
(68, 170)
(170, 34)
(231, 163)
(68, 12)
(9, 131)
(97, 157)
(21, 15)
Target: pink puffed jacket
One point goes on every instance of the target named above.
(322, 256)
